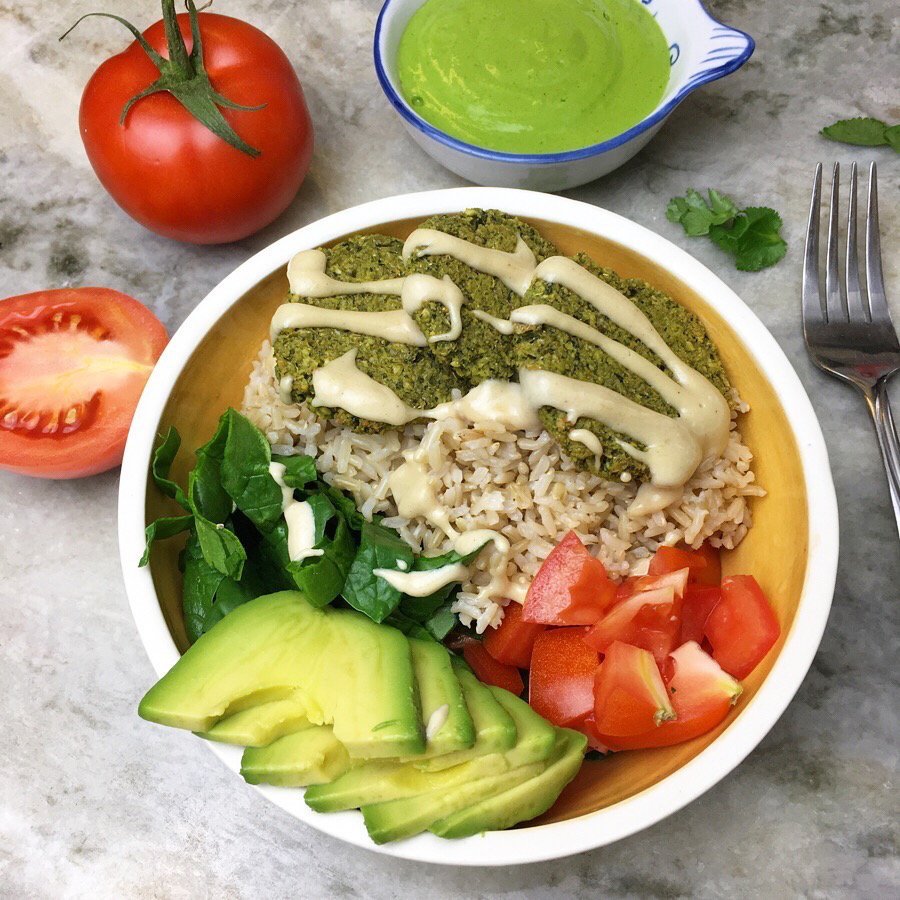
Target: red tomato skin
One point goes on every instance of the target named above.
(711, 573)
(570, 588)
(670, 559)
(742, 628)
(512, 642)
(489, 671)
(169, 171)
(99, 446)
(561, 678)
(699, 602)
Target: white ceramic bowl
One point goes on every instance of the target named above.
(701, 50)
(711, 764)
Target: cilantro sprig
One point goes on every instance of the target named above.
(751, 235)
(864, 132)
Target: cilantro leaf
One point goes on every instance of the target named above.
(696, 215)
(751, 235)
(861, 131)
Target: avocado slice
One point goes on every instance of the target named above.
(259, 725)
(523, 801)
(340, 666)
(381, 781)
(448, 791)
(448, 724)
(311, 756)
(398, 819)
(495, 730)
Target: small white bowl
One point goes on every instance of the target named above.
(701, 49)
(714, 762)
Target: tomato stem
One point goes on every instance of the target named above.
(183, 74)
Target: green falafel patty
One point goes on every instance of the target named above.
(481, 352)
(413, 373)
(548, 348)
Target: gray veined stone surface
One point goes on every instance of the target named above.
(96, 803)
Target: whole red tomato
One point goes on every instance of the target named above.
(167, 168)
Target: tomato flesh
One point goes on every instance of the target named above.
(649, 619)
(742, 627)
(711, 573)
(489, 671)
(513, 640)
(570, 588)
(702, 695)
(73, 363)
(629, 694)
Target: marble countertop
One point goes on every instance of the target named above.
(94, 804)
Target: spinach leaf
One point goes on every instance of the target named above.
(245, 472)
(201, 581)
(441, 623)
(206, 495)
(379, 548)
(322, 578)
(163, 528)
(299, 471)
(220, 547)
(408, 626)
(161, 465)
(345, 505)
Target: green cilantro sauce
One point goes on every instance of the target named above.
(533, 76)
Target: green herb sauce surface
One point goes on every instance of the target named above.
(533, 76)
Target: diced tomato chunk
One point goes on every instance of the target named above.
(742, 627)
(699, 602)
(634, 584)
(702, 696)
(712, 572)
(629, 694)
(561, 680)
(513, 641)
(489, 671)
(649, 619)
(670, 559)
(570, 588)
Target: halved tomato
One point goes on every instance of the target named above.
(629, 695)
(570, 588)
(513, 641)
(702, 695)
(489, 671)
(649, 619)
(742, 628)
(699, 602)
(561, 680)
(73, 363)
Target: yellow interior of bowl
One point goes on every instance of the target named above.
(775, 550)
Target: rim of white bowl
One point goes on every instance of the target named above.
(692, 82)
(534, 844)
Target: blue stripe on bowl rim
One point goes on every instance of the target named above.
(698, 78)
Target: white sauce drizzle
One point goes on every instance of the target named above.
(515, 270)
(285, 386)
(436, 721)
(504, 326)
(307, 278)
(421, 584)
(298, 515)
(590, 440)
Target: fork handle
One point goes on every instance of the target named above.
(888, 442)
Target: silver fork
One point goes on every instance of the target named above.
(851, 334)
